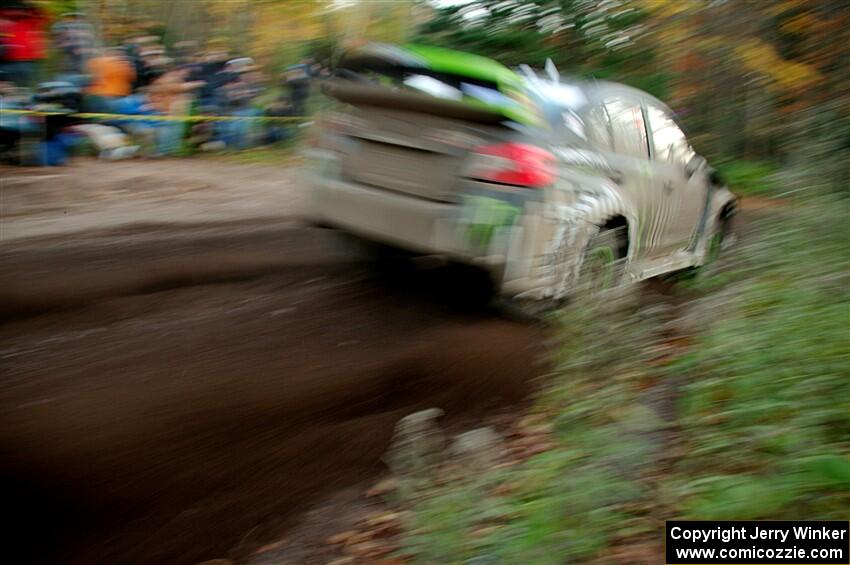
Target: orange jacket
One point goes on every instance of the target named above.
(111, 76)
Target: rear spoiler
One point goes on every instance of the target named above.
(361, 94)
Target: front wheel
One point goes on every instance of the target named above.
(719, 237)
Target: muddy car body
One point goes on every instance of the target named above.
(451, 154)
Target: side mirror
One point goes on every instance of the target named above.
(696, 163)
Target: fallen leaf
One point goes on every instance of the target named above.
(270, 547)
(503, 489)
(383, 518)
(485, 531)
(383, 487)
(539, 429)
(531, 420)
(358, 537)
(368, 549)
(342, 537)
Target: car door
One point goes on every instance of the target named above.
(679, 209)
(630, 159)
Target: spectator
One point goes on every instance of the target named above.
(184, 53)
(277, 130)
(211, 71)
(297, 80)
(224, 74)
(22, 42)
(151, 55)
(170, 94)
(112, 78)
(12, 126)
(111, 143)
(6, 70)
(74, 38)
(236, 98)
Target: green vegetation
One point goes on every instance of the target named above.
(727, 400)
(764, 412)
(762, 81)
(749, 178)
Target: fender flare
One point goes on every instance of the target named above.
(581, 220)
(721, 207)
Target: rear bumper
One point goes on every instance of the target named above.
(428, 227)
(419, 225)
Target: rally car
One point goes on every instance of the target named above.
(548, 185)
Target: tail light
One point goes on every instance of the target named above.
(517, 164)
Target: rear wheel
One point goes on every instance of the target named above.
(603, 262)
(601, 270)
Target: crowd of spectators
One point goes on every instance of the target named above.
(154, 94)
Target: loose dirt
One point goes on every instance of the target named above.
(182, 387)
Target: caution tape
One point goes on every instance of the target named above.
(31, 112)
(154, 117)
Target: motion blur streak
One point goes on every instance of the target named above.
(246, 245)
(168, 422)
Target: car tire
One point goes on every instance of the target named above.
(719, 236)
(603, 263)
(604, 248)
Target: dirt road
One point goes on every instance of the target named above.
(185, 371)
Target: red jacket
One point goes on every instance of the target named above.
(22, 35)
